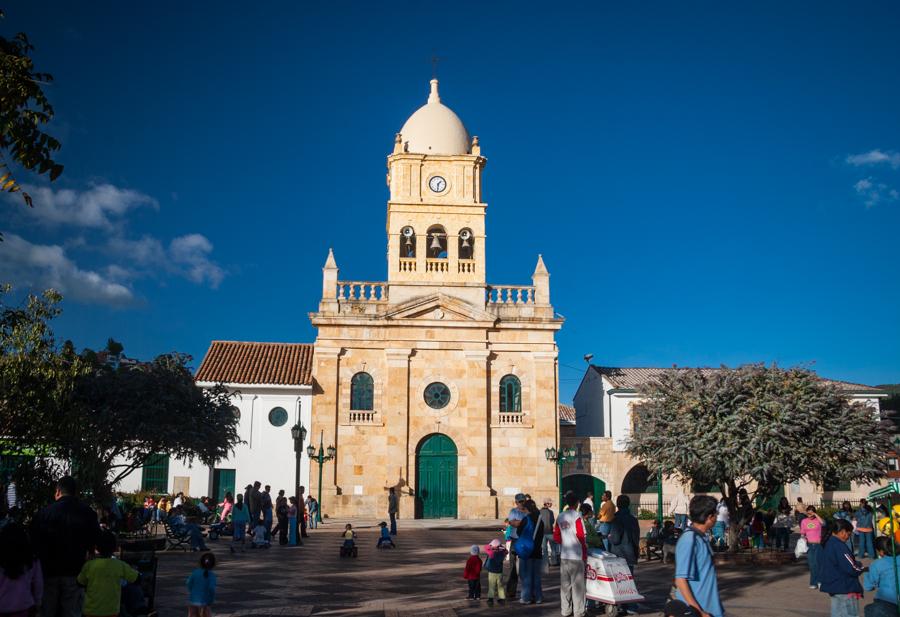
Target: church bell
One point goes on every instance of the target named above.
(435, 243)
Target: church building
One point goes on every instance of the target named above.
(434, 382)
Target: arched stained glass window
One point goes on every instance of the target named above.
(510, 394)
(362, 392)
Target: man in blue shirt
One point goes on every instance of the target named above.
(695, 572)
(880, 577)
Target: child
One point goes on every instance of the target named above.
(21, 579)
(259, 536)
(240, 516)
(201, 586)
(472, 573)
(507, 536)
(348, 536)
(757, 529)
(496, 554)
(385, 536)
(102, 577)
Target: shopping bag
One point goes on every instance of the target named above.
(802, 547)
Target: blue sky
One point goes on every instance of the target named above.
(708, 184)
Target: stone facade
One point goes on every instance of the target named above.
(434, 321)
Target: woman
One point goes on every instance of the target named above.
(21, 578)
(530, 555)
(839, 572)
(312, 506)
(722, 519)
(226, 505)
(591, 536)
(811, 529)
(880, 577)
(784, 520)
(865, 529)
(846, 514)
(292, 521)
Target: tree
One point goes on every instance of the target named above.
(127, 415)
(755, 428)
(24, 109)
(60, 411)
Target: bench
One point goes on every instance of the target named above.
(175, 540)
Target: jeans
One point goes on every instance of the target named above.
(571, 587)
(812, 560)
(782, 538)
(530, 578)
(267, 522)
(62, 597)
(475, 589)
(604, 528)
(718, 532)
(550, 550)
(292, 530)
(681, 521)
(393, 516)
(843, 605)
(865, 540)
(880, 608)
(313, 519)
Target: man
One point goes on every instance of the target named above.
(606, 517)
(179, 500)
(265, 505)
(393, 509)
(515, 518)
(678, 509)
(625, 539)
(248, 493)
(589, 500)
(181, 527)
(695, 571)
(569, 534)
(255, 503)
(302, 512)
(548, 546)
(63, 533)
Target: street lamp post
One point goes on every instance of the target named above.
(320, 457)
(560, 457)
(298, 432)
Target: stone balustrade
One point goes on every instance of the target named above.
(362, 417)
(466, 266)
(434, 264)
(361, 291)
(511, 419)
(407, 264)
(510, 294)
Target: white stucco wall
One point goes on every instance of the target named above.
(588, 403)
(267, 453)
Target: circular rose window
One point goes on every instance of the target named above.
(437, 395)
(278, 416)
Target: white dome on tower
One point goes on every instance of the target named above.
(435, 129)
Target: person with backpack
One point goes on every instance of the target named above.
(625, 538)
(528, 548)
(696, 585)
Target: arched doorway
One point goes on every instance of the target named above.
(581, 484)
(436, 477)
(639, 480)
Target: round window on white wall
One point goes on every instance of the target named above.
(236, 412)
(278, 416)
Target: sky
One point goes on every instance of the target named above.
(708, 184)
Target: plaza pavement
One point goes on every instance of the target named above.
(423, 577)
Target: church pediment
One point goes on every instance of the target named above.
(439, 307)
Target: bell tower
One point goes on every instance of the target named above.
(435, 218)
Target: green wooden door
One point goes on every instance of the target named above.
(436, 482)
(223, 482)
(581, 483)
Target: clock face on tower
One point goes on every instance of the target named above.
(437, 184)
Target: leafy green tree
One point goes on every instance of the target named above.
(755, 428)
(63, 412)
(24, 109)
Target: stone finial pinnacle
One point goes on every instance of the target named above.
(434, 97)
(540, 268)
(330, 264)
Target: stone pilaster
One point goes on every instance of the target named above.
(396, 425)
(326, 366)
(475, 496)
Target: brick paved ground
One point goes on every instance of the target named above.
(423, 577)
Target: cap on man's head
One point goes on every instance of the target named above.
(520, 497)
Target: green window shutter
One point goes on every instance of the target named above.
(155, 474)
(362, 392)
(510, 394)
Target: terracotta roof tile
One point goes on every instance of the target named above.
(566, 414)
(634, 377)
(287, 364)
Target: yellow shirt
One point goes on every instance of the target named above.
(607, 512)
(102, 577)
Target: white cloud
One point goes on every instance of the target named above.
(874, 192)
(46, 265)
(874, 157)
(186, 256)
(100, 206)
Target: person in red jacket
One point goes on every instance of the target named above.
(569, 534)
(473, 573)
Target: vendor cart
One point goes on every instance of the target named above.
(609, 580)
(890, 495)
